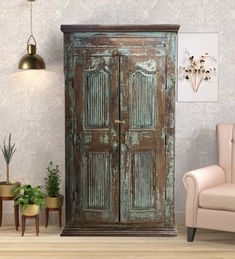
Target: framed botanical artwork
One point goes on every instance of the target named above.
(197, 67)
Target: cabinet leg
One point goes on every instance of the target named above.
(191, 234)
(47, 216)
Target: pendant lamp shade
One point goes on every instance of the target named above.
(31, 60)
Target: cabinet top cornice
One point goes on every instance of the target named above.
(121, 28)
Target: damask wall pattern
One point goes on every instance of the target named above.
(32, 104)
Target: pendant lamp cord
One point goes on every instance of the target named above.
(31, 18)
(31, 26)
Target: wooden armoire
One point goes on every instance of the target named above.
(120, 129)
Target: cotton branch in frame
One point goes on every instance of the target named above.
(196, 70)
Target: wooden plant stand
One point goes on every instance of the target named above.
(16, 211)
(36, 217)
(47, 210)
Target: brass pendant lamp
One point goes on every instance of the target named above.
(31, 60)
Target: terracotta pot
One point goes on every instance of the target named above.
(6, 190)
(54, 202)
(31, 210)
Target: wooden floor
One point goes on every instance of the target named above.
(208, 244)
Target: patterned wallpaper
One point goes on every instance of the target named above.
(32, 104)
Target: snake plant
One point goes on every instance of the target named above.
(8, 150)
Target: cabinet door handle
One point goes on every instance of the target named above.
(119, 122)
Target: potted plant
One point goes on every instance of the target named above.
(30, 199)
(8, 150)
(54, 199)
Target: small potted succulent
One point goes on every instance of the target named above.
(30, 199)
(8, 150)
(54, 199)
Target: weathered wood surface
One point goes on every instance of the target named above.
(120, 175)
(121, 28)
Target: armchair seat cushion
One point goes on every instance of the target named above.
(220, 197)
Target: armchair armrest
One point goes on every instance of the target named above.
(196, 181)
(205, 178)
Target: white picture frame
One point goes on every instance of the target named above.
(196, 45)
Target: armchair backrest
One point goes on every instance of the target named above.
(226, 149)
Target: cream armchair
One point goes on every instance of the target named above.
(210, 201)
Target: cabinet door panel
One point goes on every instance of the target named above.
(142, 138)
(97, 156)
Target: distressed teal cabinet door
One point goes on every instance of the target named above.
(97, 155)
(142, 138)
(120, 129)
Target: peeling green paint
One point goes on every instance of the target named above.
(104, 139)
(134, 138)
(86, 137)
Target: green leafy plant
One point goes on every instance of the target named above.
(8, 151)
(53, 180)
(27, 194)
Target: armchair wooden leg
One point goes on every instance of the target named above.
(191, 234)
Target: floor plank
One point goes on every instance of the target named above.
(207, 244)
